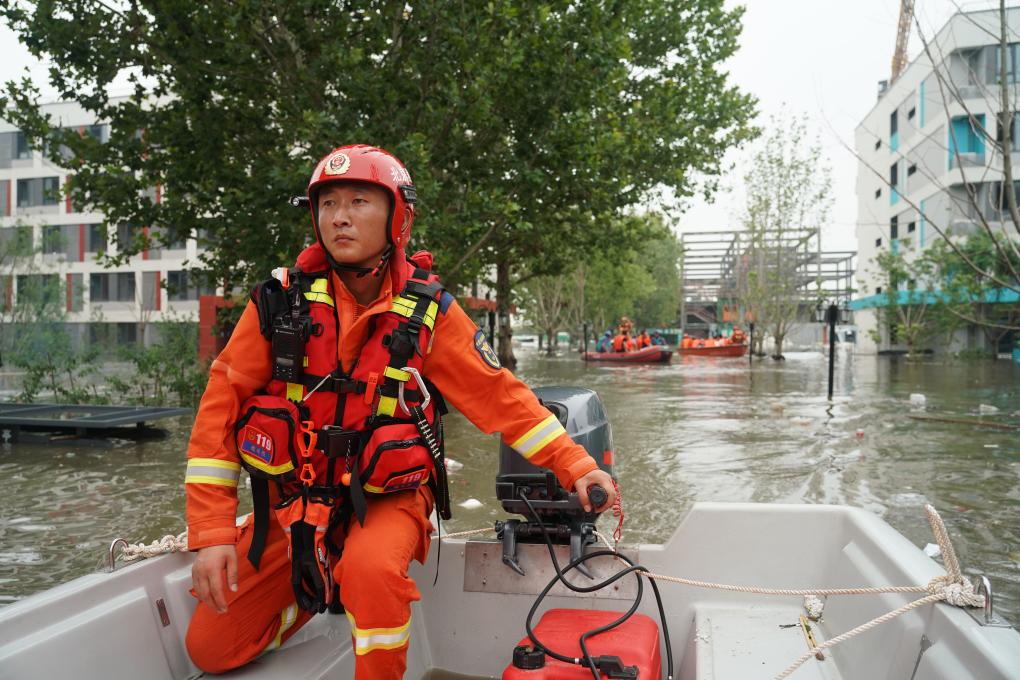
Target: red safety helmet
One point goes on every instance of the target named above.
(364, 163)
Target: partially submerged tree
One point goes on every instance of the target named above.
(788, 197)
(907, 304)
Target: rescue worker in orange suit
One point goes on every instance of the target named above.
(257, 584)
(643, 339)
(623, 343)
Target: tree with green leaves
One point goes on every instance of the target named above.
(908, 294)
(969, 294)
(527, 126)
(788, 190)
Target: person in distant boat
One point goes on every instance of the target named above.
(643, 339)
(623, 343)
(605, 343)
(657, 338)
(330, 393)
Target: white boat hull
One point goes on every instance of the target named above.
(110, 625)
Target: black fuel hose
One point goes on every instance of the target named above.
(632, 569)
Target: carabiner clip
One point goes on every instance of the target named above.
(421, 388)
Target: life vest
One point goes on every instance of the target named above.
(326, 437)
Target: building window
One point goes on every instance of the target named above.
(966, 140)
(21, 148)
(39, 291)
(38, 191)
(894, 228)
(878, 192)
(894, 181)
(878, 144)
(894, 137)
(878, 243)
(53, 239)
(911, 226)
(95, 238)
(911, 170)
(16, 242)
(911, 113)
(112, 287)
(878, 290)
(180, 286)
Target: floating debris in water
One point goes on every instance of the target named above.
(991, 446)
(453, 465)
(918, 400)
(987, 409)
(908, 499)
(801, 420)
(859, 433)
(471, 504)
(932, 550)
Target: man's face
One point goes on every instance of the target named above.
(353, 222)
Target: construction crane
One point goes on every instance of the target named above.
(899, 57)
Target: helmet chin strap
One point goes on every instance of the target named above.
(361, 271)
(383, 259)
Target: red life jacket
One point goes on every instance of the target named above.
(326, 436)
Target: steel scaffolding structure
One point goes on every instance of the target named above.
(712, 263)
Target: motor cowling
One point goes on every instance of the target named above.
(583, 415)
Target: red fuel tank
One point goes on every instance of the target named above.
(635, 641)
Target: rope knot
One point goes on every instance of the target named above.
(959, 593)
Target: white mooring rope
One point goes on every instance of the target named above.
(167, 544)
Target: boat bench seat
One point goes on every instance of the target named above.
(752, 642)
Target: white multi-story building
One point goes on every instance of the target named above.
(108, 305)
(918, 145)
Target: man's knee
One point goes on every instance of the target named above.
(204, 641)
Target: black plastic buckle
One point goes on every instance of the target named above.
(336, 442)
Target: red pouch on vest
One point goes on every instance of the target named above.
(266, 436)
(394, 459)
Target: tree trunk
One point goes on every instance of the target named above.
(506, 350)
(779, 346)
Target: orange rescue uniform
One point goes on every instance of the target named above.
(372, 571)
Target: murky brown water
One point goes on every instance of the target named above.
(700, 429)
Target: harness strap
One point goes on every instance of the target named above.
(333, 383)
(260, 499)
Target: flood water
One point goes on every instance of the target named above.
(698, 430)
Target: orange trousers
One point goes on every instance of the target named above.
(374, 588)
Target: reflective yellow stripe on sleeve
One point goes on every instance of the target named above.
(535, 439)
(370, 639)
(212, 471)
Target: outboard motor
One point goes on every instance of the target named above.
(581, 413)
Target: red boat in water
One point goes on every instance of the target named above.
(721, 351)
(657, 354)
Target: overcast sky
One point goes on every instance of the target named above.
(822, 58)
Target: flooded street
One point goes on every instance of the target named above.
(698, 430)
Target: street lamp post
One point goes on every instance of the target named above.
(831, 315)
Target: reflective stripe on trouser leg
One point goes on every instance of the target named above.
(375, 588)
(370, 639)
(287, 618)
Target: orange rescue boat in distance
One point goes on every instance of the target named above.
(720, 351)
(656, 354)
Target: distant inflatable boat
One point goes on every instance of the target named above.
(657, 354)
(723, 351)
